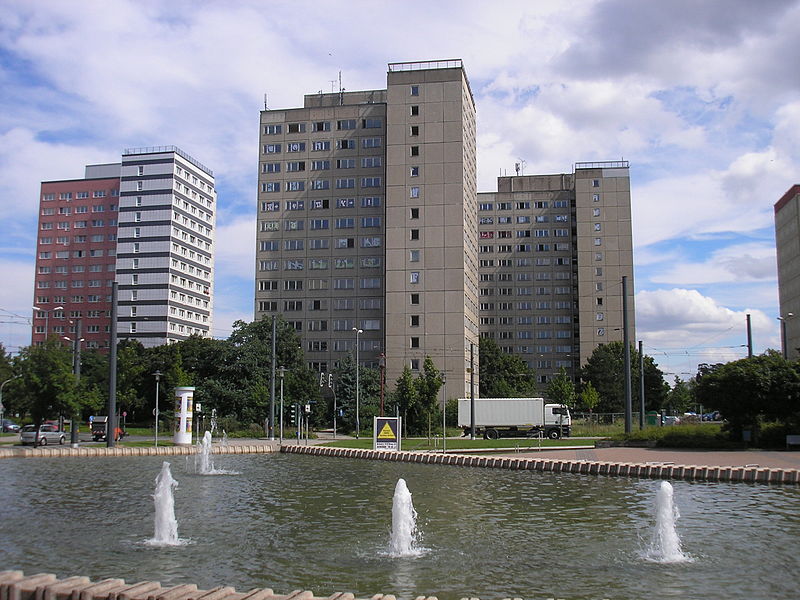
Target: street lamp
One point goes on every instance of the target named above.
(783, 333)
(2, 408)
(46, 318)
(358, 422)
(76, 369)
(281, 373)
(444, 413)
(382, 365)
(157, 375)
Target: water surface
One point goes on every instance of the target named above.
(300, 522)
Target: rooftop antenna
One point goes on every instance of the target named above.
(341, 90)
(520, 166)
(265, 102)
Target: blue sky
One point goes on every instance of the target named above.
(702, 97)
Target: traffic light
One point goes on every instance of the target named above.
(294, 414)
(330, 380)
(321, 379)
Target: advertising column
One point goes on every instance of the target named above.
(184, 400)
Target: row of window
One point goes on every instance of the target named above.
(321, 244)
(80, 195)
(322, 204)
(508, 248)
(65, 225)
(526, 276)
(64, 240)
(525, 291)
(79, 210)
(367, 162)
(524, 233)
(96, 268)
(319, 224)
(316, 126)
(538, 305)
(76, 283)
(490, 206)
(44, 255)
(322, 145)
(299, 185)
(522, 219)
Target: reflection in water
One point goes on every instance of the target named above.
(301, 522)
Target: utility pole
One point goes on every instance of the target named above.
(627, 365)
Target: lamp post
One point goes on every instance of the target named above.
(281, 373)
(358, 422)
(76, 369)
(382, 365)
(783, 334)
(444, 413)
(46, 318)
(157, 375)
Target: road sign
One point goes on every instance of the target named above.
(386, 433)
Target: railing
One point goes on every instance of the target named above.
(160, 149)
(449, 63)
(603, 164)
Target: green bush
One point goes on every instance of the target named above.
(682, 436)
(773, 435)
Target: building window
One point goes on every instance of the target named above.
(415, 342)
(346, 124)
(414, 171)
(414, 130)
(598, 241)
(272, 129)
(413, 192)
(415, 110)
(414, 234)
(413, 256)
(414, 150)
(414, 299)
(414, 90)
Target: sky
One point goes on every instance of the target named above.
(701, 97)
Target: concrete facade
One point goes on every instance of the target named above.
(369, 219)
(553, 250)
(787, 243)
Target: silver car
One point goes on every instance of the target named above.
(48, 434)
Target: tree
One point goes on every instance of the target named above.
(368, 392)
(605, 370)
(428, 383)
(405, 396)
(47, 383)
(747, 391)
(680, 397)
(504, 375)
(561, 388)
(589, 397)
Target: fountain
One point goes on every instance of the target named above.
(665, 545)
(203, 463)
(404, 523)
(166, 525)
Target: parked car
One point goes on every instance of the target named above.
(712, 416)
(670, 420)
(48, 434)
(10, 426)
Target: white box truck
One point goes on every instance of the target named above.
(515, 417)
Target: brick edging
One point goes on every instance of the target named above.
(14, 585)
(99, 451)
(583, 467)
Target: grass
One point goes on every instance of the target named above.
(144, 444)
(706, 435)
(463, 444)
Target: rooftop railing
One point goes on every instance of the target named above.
(603, 164)
(161, 149)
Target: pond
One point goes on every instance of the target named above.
(306, 522)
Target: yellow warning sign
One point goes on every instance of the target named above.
(386, 433)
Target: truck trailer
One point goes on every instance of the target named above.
(515, 417)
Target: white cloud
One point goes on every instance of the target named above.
(734, 263)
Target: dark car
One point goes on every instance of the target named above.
(10, 426)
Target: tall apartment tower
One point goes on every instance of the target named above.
(165, 246)
(552, 253)
(367, 221)
(787, 242)
(76, 257)
(148, 223)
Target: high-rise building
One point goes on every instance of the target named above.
(552, 253)
(148, 223)
(371, 231)
(787, 242)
